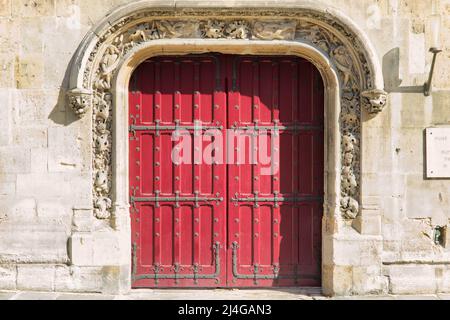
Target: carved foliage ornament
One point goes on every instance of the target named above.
(113, 46)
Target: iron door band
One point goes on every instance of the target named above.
(256, 276)
(177, 269)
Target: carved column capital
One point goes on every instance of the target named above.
(80, 100)
(374, 100)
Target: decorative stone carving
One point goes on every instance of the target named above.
(320, 30)
(102, 208)
(238, 30)
(274, 30)
(108, 64)
(344, 63)
(101, 181)
(374, 100)
(213, 29)
(80, 101)
(178, 29)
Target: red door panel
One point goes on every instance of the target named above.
(252, 219)
(274, 221)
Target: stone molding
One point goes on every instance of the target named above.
(103, 52)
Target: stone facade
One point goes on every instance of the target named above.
(64, 222)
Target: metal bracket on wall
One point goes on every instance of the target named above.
(427, 87)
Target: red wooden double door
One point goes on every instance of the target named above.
(226, 171)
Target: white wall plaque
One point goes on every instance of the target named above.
(438, 152)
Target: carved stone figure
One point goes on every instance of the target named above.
(177, 29)
(348, 142)
(101, 182)
(102, 207)
(375, 100)
(350, 207)
(274, 30)
(344, 63)
(104, 106)
(315, 35)
(80, 101)
(102, 143)
(109, 63)
(139, 35)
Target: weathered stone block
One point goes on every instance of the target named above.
(340, 280)
(368, 222)
(106, 249)
(29, 72)
(36, 277)
(444, 281)
(39, 163)
(427, 199)
(369, 280)
(19, 209)
(40, 185)
(78, 279)
(28, 137)
(7, 188)
(64, 149)
(9, 43)
(441, 100)
(83, 220)
(5, 117)
(116, 279)
(15, 160)
(95, 249)
(5, 7)
(347, 252)
(412, 279)
(81, 249)
(31, 35)
(8, 277)
(32, 8)
(35, 107)
(7, 71)
(371, 251)
(32, 240)
(47, 209)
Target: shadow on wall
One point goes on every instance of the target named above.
(391, 74)
(61, 113)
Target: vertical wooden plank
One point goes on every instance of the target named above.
(255, 168)
(158, 160)
(197, 162)
(179, 246)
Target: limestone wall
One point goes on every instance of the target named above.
(45, 150)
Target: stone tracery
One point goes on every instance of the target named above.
(357, 88)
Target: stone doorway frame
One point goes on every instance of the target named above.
(103, 65)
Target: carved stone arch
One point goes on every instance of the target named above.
(123, 32)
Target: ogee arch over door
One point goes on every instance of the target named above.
(226, 223)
